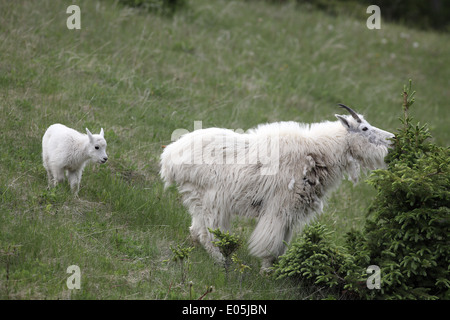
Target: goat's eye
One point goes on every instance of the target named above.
(365, 129)
(97, 147)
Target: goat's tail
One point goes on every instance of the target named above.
(165, 171)
(168, 167)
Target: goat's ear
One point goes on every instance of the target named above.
(91, 138)
(102, 133)
(343, 121)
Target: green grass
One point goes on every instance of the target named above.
(140, 76)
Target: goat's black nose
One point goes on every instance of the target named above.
(105, 159)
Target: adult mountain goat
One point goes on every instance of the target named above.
(279, 173)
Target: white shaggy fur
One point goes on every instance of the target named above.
(66, 150)
(219, 175)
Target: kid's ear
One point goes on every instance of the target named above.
(89, 134)
(343, 121)
(102, 133)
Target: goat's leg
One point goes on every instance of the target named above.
(201, 223)
(57, 176)
(50, 179)
(74, 180)
(268, 239)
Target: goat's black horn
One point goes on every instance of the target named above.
(351, 111)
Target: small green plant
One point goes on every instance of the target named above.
(50, 199)
(241, 268)
(181, 255)
(227, 244)
(315, 259)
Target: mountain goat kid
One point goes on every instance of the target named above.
(278, 173)
(66, 150)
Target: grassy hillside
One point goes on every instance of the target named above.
(140, 76)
